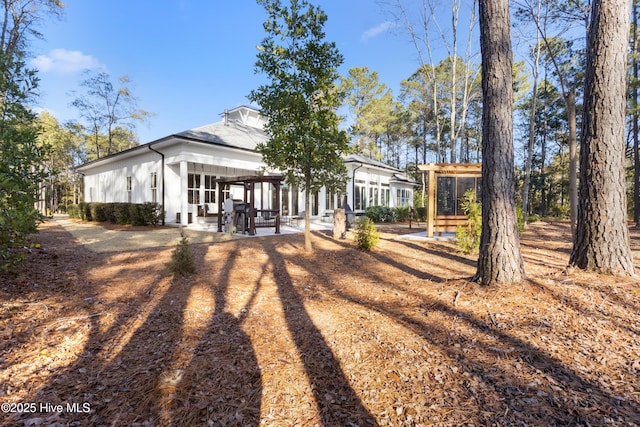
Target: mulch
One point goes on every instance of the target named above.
(265, 334)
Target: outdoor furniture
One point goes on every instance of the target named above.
(300, 217)
(248, 212)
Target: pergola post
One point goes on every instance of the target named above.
(277, 185)
(431, 202)
(252, 208)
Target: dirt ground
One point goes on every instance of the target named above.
(266, 335)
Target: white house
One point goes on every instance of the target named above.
(180, 172)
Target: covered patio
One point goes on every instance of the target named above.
(253, 217)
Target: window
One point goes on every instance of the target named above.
(294, 200)
(314, 203)
(193, 184)
(226, 192)
(385, 195)
(449, 193)
(209, 189)
(403, 196)
(373, 196)
(285, 199)
(361, 195)
(129, 189)
(446, 196)
(154, 187)
(330, 200)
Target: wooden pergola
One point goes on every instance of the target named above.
(447, 183)
(249, 183)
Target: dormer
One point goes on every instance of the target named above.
(245, 115)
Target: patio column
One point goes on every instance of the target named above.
(184, 201)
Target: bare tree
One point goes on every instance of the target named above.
(601, 240)
(461, 79)
(535, 71)
(107, 110)
(20, 22)
(562, 11)
(500, 260)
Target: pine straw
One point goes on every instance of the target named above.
(264, 334)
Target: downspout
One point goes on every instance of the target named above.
(162, 181)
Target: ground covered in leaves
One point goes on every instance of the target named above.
(264, 334)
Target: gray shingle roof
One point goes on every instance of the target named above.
(232, 134)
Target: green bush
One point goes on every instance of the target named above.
(380, 213)
(74, 211)
(85, 212)
(402, 213)
(366, 234)
(182, 262)
(118, 213)
(520, 219)
(420, 214)
(533, 218)
(468, 235)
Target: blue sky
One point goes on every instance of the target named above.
(189, 60)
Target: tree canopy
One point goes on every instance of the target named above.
(301, 100)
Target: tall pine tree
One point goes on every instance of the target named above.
(601, 241)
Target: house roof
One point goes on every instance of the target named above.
(358, 158)
(229, 133)
(397, 175)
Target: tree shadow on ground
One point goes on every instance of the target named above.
(510, 378)
(338, 404)
(168, 354)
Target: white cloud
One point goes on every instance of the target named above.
(64, 61)
(377, 30)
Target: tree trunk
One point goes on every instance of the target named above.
(634, 103)
(532, 137)
(500, 260)
(601, 242)
(308, 247)
(573, 159)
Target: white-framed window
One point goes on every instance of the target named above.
(129, 189)
(210, 189)
(330, 200)
(373, 195)
(360, 201)
(226, 192)
(384, 195)
(193, 188)
(404, 196)
(154, 187)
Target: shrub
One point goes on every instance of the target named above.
(366, 234)
(136, 215)
(380, 213)
(468, 235)
(520, 219)
(421, 214)
(402, 213)
(533, 218)
(74, 211)
(98, 212)
(118, 213)
(182, 262)
(151, 213)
